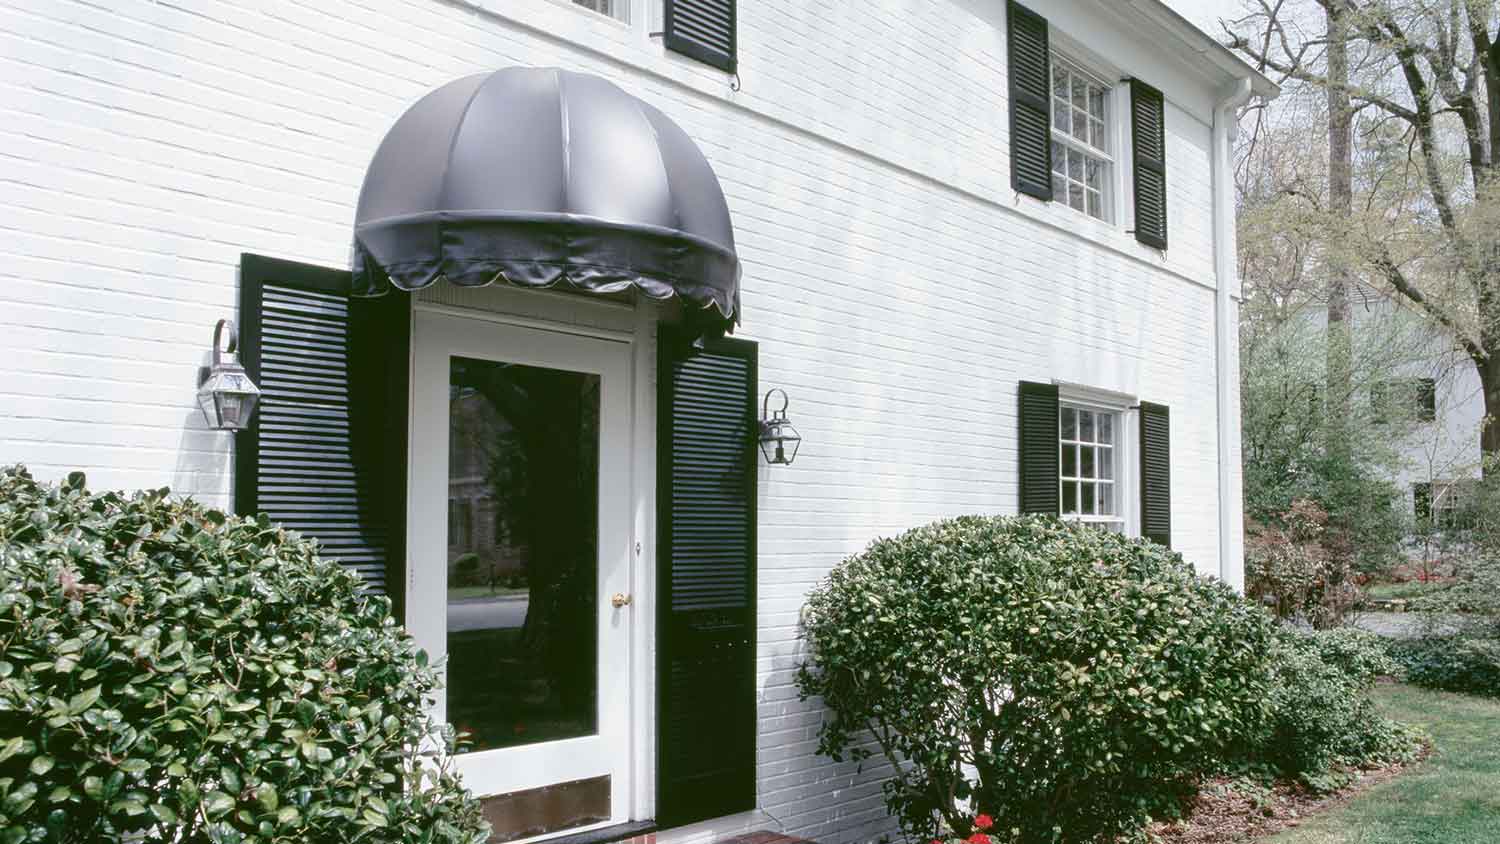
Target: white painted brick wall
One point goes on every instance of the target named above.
(898, 287)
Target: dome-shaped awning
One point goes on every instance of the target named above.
(543, 177)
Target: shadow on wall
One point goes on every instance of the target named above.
(204, 455)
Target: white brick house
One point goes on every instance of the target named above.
(902, 281)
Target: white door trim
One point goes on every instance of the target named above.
(643, 649)
(632, 370)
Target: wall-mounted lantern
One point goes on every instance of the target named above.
(778, 439)
(226, 394)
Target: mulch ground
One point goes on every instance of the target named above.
(1223, 815)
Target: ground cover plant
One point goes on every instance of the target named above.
(1323, 725)
(169, 673)
(1069, 682)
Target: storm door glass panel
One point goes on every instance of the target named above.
(523, 561)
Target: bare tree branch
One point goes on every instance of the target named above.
(1403, 285)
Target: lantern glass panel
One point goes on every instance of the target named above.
(791, 441)
(227, 399)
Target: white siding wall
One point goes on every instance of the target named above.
(898, 287)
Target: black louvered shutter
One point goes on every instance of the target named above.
(1030, 104)
(1038, 446)
(1148, 132)
(1156, 473)
(325, 453)
(703, 30)
(705, 634)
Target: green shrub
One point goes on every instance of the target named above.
(1361, 655)
(1300, 568)
(168, 673)
(1069, 681)
(1323, 720)
(1454, 663)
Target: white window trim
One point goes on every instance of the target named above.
(1124, 193)
(1126, 450)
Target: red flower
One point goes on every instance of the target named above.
(937, 841)
(978, 838)
(983, 821)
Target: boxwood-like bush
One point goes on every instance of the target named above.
(168, 673)
(1068, 681)
(1322, 718)
(1361, 655)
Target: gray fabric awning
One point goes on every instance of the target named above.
(543, 177)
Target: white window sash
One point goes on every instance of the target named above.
(1124, 448)
(1109, 187)
(1087, 149)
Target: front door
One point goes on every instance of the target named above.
(519, 564)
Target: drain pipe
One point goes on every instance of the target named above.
(1226, 336)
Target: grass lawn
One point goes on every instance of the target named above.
(1451, 798)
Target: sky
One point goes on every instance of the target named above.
(1206, 13)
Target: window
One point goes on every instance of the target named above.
(1088, 466)
(1081, 160)
(1404, 399)
(461, 522)
(617, 9)
(1426, 399)
(1449, 504)
(1442, 504)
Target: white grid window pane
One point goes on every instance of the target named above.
(1086, 466)
(1080, 149)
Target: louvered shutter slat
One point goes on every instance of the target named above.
(324, 455)
(703, 30)
(706, 579)
(1038, 447)
(1149, 148)
(1156, 473)
(1030, 69)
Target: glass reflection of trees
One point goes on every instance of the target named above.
(535, 433)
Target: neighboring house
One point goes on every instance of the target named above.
(1422, 395)
(1435, 405)
(986, 251)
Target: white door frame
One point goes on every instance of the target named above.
(556, 320)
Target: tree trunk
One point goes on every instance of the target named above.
(1487, 197)
(1489, 432)
(1340, 208)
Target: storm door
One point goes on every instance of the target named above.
(520, 531)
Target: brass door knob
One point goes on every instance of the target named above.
(620, 600)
